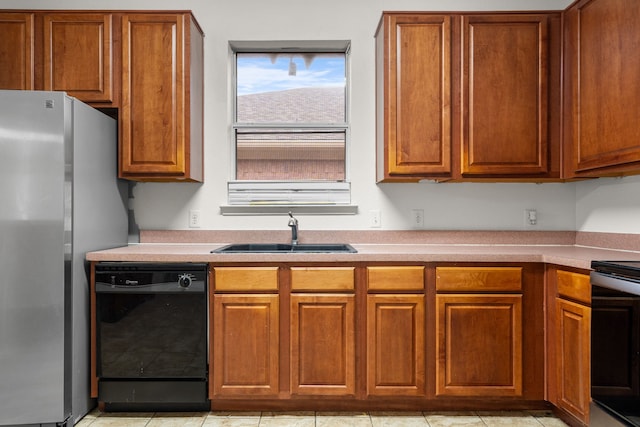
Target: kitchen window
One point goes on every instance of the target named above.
(290, 127)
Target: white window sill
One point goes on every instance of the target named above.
(280, 209)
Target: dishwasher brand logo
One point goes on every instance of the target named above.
(130, 282)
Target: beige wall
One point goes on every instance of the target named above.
(447, 206)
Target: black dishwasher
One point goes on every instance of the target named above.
(152, 336)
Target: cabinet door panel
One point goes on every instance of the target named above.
(395, 345)
(322, 344)
(78, 55)
(479, 345)
(153, 128)
(245, 345)
(417, 94)
(505, 95)
(573, 344)
(16, 51)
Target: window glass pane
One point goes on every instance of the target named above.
(290, 154)
(290, 88)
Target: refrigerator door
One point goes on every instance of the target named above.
(34, 257)
(100, 221)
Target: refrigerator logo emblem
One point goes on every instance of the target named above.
(48, 103)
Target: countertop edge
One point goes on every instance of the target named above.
(564, 255)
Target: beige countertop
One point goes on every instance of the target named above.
(564, 255)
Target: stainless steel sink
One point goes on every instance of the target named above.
(239, 248)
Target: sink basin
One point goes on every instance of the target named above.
(239, 248)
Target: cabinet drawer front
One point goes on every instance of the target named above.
(574, 286)
(405, 278)
(470, 279)
(246, 278)
(322, 278)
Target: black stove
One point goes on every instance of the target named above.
(629, 270)
(615, 343)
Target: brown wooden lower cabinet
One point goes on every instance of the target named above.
(369, 337)
(573, 368)
(245, 346)
(323, 344)
(569, 342)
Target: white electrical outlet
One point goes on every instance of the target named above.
(417, 218)
(530, 218)
(194, 218)
(374, 219)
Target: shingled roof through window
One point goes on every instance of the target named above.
(305, 105)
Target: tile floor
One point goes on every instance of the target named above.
(323, 419)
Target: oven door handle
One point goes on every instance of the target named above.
(616, 283)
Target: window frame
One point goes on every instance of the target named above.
(334, 197)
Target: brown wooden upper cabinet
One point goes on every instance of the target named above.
(63, 51)
(162, 98)
(506, 76)
(148, 64)
(78, 55)
(464, 97)
(413, 85)
(16, 51)
(602, 83)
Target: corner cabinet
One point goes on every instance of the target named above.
(468, 97)
(602, 82)
(162, 98)
(569, 342)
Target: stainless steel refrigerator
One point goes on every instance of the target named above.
(59, 198)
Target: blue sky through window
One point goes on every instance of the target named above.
(257, 73)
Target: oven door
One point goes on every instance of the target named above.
(615, 351)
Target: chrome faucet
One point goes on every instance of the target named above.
(293, 223)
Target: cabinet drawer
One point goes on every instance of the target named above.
(479, 279)
(574, 286)
(401, 278)
(245, 278)
(322, 278)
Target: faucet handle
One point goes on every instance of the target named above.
(293, 219)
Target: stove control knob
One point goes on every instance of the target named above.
(184, 280)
